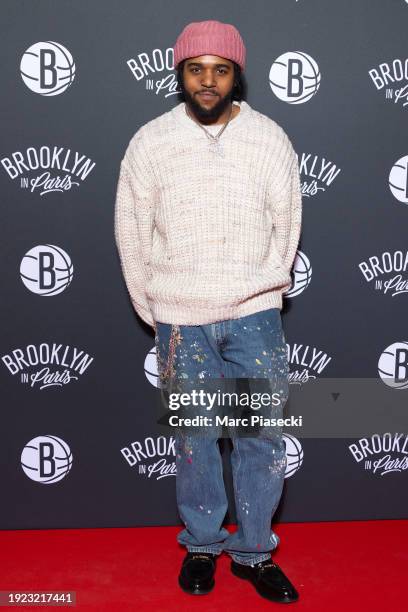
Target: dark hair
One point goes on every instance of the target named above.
(237, 91)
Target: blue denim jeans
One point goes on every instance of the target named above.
(252, 346)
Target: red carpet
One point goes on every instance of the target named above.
(348, 566)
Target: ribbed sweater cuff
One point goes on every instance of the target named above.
(177, 314)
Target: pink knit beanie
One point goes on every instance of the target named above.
(210, 38)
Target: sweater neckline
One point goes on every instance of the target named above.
(181, 116)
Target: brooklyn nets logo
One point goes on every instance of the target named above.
(46, 459)
(46, 270)
(294, 77)
(47, 68)
(398, 180)
(393, 365)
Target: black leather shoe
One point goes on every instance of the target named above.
(268, 579)
(197, 573)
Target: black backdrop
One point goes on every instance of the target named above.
(79, 443)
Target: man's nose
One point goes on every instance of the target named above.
(208, 79)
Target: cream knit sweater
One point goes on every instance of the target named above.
(204, 237)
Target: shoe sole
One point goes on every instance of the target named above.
(241, 574)
(197, 591)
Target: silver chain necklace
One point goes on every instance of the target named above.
(214, 139)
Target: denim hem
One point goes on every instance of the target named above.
(252, 561)
(207, 549)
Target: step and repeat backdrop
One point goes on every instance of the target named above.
(79, 441)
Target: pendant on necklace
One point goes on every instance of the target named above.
(216, 148)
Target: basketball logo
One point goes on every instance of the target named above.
(46, 459)
(151, 369)
(393, 365)
(302, 275)
(294, 454)
(398, 180)
(294, 77)
(46, 270)
(47, 68)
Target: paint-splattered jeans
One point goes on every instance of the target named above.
(253, 346)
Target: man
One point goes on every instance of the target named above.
(207, 222)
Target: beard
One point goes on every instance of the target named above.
(207, 115)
